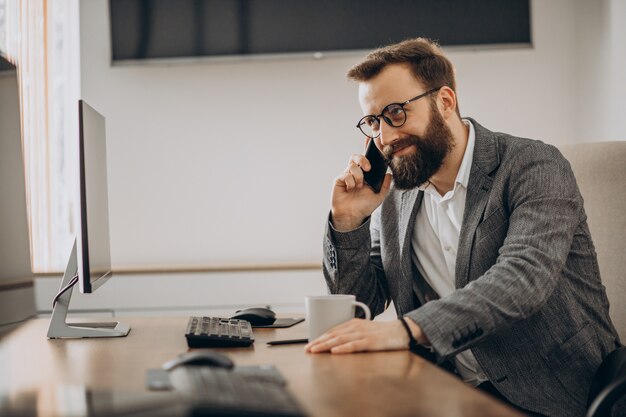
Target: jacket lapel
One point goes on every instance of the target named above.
(485, 160)
(409, 204)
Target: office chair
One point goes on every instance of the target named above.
(600, 171)
(609, 386)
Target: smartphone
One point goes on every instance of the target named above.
(376, 175)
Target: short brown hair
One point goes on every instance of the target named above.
(430, 66)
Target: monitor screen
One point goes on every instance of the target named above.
(93, 246)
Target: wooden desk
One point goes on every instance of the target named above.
(366, 384)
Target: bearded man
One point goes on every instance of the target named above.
(480, 239)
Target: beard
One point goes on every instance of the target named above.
(413, 170)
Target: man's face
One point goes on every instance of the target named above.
(417, 149)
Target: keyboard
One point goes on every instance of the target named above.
(218, 332)
(221, 392)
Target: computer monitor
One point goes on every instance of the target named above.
(90, 260)
(94, 251)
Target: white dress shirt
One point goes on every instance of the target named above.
(435, 242)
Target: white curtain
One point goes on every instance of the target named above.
(41, 37)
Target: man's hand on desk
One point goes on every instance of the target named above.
(358, 335)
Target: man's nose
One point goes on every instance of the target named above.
(388, 134)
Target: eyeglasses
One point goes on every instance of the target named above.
(393, 114)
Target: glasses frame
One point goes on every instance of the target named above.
(389, 123)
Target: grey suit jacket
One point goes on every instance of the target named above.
(529, 301)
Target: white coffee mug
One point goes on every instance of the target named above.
(323, 312)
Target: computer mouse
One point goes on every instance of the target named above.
(200, 357)
(257, 316)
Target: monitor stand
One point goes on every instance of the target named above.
(59, 328)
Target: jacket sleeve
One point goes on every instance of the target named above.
(544, 210)
(352, 263)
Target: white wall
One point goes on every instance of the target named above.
(525, 92)
(230, 162)
(191, 293)
(218, 162)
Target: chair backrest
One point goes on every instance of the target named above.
(600, 170)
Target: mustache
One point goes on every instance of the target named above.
(390, 149)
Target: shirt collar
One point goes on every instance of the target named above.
(462, 177)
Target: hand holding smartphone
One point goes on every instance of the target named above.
(378, 167)
(350, 205)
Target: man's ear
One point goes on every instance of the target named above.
(447, 102)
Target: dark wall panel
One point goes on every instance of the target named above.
(182, 28)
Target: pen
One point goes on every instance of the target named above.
(287, 342)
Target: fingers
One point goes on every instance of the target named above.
(386, 183)
(346, 343)
(346, 180)
(355, 173)
(361, 161)
(350, 347)
(343, 338)
(332, 342)
(358, 335)
(352, 177)
(347, 346)
(334, 336)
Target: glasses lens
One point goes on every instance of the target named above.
(394, 115)
(370, 126)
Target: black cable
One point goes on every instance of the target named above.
(69, 285)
